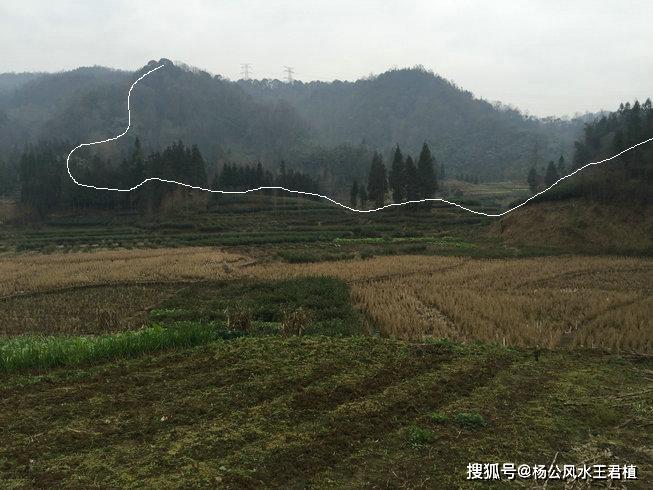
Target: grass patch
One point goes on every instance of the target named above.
(44, 352)
(419, 436)
(470, 420)
(324, 299)
(438, 417)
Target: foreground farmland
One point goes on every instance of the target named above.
(321, 412)
(177, 367)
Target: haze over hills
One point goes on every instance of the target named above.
(310, 125)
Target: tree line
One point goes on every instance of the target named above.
(241, 177)
(44, 185)
(405, 181)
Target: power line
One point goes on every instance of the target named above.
(245, 70)
(289, 72)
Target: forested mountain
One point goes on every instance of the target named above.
(11, 81)
(172, 104)
(31, 105)
(410, 106)
(329, 130)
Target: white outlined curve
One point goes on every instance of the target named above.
(311, 194)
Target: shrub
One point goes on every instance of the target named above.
(470, 420)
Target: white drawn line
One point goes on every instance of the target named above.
(312, 194)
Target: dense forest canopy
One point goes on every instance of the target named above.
(328, 130)
(11, 81)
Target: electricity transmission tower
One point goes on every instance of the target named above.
(245, 70)
(289, 72)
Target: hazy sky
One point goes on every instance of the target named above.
(548, 57)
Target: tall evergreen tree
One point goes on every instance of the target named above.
(363, 196)
(397, 179)
(412, 180)
(426, 173)
(551, 175)
(137, 163)
(562, 167)
(197, 166)
(533, 180)
(353, 195)
(282, 180)
(40, 173)
(634, 124)
(377, 183)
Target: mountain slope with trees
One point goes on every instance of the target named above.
(410, 106)
(603, 208)
(329, 130)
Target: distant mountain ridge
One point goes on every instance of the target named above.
(270, 120)
(410, 106)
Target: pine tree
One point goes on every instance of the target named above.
(398, 177)
(197, 167)
(377, 184)
(551, 175)
(634, 124)
(353, 195)
(618, 144)
(426, 173)
(412, 180)
(137, 163)
(363, 196)
(533, 180)
(562, 167)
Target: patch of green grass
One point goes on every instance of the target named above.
(438, 417)
(419, 436)
(470, 420)
(43, 352)
(325, 299)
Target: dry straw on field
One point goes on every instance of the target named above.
(548, 301)
(41, 272)
(554, 301)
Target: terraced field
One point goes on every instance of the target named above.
(277, 222)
